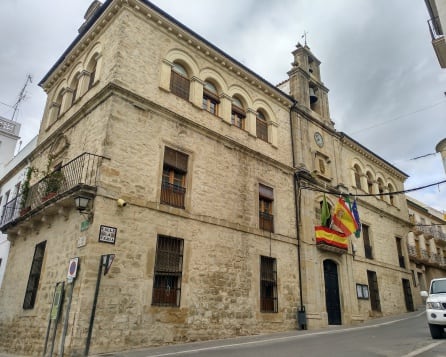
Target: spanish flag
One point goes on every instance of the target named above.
(330, 237)
(343, 218)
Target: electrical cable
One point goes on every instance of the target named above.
(6, 104)
(422, 156)
(336, 192)
(397, 117)
(430, 225)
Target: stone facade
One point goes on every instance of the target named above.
(426, 245)
(110, 95)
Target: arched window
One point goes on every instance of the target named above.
(381, 188)
(369, 182)
(75, 87)
(210, 98)
(238, 114)
(91, 68)
(179, 81)
(358, 174)
(391, 196)
(55, 111)
(261, 126)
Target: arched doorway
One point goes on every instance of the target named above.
(332, 301)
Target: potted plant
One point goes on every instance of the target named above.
(52, 184)
(52, 180)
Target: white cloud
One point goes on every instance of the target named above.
(377, 60)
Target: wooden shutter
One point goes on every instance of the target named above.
(175, 159)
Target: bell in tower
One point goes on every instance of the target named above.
(313, 97)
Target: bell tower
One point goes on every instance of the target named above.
(305, 84)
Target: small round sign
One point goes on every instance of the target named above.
(72, 268)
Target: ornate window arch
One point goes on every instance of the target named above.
(182, 58)
(239, 92)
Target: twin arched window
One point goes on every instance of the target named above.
(180, 85)
(380, 183)
(81, 83)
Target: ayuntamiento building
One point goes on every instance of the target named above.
(205, 182)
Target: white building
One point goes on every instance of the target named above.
(437, 23)
(12, 169)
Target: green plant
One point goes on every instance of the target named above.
(53, 182)
(24, 191)
(52, 179)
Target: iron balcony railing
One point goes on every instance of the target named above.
(435, 258)
(82, 170)
(423, 254)
(435, 28)
(412, 250)
(430, 232)
(427, 231)
(439, 235)
(172, 195)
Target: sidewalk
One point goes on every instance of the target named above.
(246, 339)
(173, 349)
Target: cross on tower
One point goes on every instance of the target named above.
(304, 36)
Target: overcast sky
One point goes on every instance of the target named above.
(386, 85)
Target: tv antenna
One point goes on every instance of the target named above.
(22, 96)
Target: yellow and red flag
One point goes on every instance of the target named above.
(330, 237)
(343, 218)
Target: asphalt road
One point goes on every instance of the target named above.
(405, 335)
